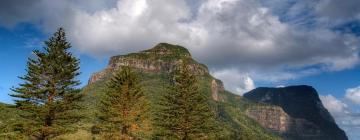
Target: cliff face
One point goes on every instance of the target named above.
(162, 58)
(271, 117)
(297, 113)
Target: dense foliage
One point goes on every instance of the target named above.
(184, 112)
(48, 96)
(123, 110)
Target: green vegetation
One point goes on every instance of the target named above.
(48, 98)
(9, 122)
(230, 113)
(123, 110)
(184, 112)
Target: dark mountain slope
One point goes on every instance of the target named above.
(306, 116)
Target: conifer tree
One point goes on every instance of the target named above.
(123, 112)
(183, 112)
(48, 94)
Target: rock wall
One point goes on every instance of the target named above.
(271, 117)
(214, 90)
(305, 116)
(145, 65)
(162, 58)
(277, 120)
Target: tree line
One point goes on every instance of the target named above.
(49, 99)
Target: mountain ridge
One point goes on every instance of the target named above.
(163, 57)
(155, 66)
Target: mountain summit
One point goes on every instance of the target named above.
(155, 66)
(163, 57)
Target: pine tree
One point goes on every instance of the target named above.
(184, 112)
(124, 107)
(48, 95)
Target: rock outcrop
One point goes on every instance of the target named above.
(214, 90)
(297, 113)
(271, 117)
(162, 58)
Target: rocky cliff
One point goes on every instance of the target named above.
(297, 113)
(161, 58)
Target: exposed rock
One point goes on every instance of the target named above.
(216, 87)
(214, 90)
(271, 117)
(277, 120)
(305, 116)
(162, 58)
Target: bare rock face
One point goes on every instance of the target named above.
(162, 58)
(214, 90)
(297, 113)
(277, 120)
(216, 87)
(271, 117)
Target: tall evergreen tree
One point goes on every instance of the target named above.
(123, 112)
(48, 95)
(184, 112)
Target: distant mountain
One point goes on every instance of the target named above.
(300, 113)
(155, 66)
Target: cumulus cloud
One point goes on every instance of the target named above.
(249, 36)
(353, 94)
(238, 83)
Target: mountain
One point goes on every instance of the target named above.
(264, 113)
(297, 113)
(155, 65)
(162, 58)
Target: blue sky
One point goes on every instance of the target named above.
(244, 43)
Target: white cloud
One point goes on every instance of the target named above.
(353, 94)
(252, 37)
(236, 82)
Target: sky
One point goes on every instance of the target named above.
(245, 43)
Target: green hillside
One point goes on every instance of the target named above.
(230, 108)
(233, 122)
